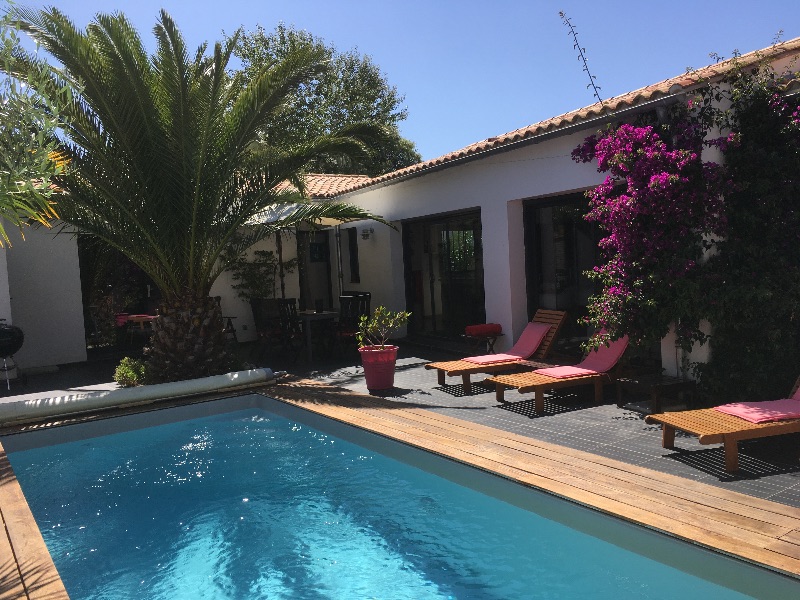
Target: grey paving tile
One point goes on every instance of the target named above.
(627, 455)
(790, 496)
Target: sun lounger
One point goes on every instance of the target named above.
(717, 425)
(534, 343)
(595, 369)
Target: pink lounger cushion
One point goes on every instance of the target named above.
(604, 358)
(564, 372)
(526, 345)
(529, 340)
(763, 412)
(598, 361)
(489, 359)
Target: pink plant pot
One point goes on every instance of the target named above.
(379, 366)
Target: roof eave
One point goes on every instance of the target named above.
(594, 122)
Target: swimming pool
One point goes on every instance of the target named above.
(250, 498)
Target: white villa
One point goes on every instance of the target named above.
(487, 233)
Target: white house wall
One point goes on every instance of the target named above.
(44, 291)
(496, 185)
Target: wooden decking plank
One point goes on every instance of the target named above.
(783, 515)
(391, 423)
(39, 574)
(744, 529)
(717, 498)
(630, 472)
(11, 587)
(728, 530)
(733, 542)
(792, 536)
(756, 520)
(552, 454)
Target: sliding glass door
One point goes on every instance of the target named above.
(444, 273)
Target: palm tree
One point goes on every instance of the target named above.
(165, 167)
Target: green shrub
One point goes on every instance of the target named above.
(131, 372)
(375, 329)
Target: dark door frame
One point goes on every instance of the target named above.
(421, 243)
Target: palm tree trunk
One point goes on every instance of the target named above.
(188, 341)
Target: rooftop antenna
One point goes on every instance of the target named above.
(581, 55)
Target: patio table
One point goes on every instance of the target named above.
(489, 340)
(141, 320)
(140, 326)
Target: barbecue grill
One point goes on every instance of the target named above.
(11, 339)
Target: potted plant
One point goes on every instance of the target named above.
(378, 357)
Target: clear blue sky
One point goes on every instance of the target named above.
(473, 69)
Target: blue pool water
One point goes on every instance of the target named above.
(250, 504)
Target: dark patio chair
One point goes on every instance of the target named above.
(351, 308)
(292, 339)
(266, 316)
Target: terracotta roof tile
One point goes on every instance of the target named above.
(668, 87)
(320, 185)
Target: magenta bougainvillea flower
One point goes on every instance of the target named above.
(657, 204)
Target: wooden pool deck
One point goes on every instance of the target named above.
(26, 569)
(752, 529)
(749, 528)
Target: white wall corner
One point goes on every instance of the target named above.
(672, 357)
(44, 290)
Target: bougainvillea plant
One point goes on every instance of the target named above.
(660, 206)
(663, 208)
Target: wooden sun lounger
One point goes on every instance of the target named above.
(537, 383)
(594, 374)
(714, 427)
(465, 368)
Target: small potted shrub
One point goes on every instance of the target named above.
(378, 357)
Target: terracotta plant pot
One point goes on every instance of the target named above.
(379, 366)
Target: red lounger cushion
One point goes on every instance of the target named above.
(526, 345)
(485, 330)
(597, 361)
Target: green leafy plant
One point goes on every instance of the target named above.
(257, 277)
(753, 291)
(131, 372)
(352, 89)
(29, 120)
(375, 329)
